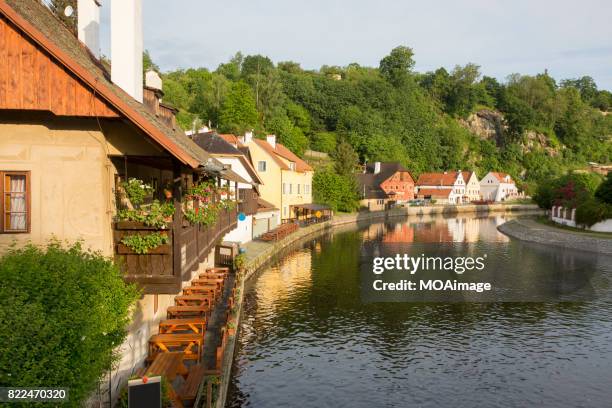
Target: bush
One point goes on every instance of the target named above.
(63, 312)
(337, 191)
(592, 211)
(604, 191)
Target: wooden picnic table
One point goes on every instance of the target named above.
(218, 283)
(220, 269)
(178, 312)
(168, 365)
(195, 325)
(214, 275)
(189, 344)
(200, 299)
(192, 290)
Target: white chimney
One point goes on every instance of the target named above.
(271, 140)
(247, 138)
(153, 80)
(127, 46)
(88, 24)
(376, 167)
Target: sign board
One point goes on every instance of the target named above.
(145, 393)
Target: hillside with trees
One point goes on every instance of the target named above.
(392, 113)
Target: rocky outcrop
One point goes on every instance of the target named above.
(486, 124)
(490, 125)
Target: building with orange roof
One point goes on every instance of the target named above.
(447, 187)
(496, 186)
(287, 179)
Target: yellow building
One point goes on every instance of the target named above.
(287, 179)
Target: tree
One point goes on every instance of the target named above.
(238, 112)
(63, 315)
(323, 142)
(396, 67)
(334, 190)
(58, 7)
(147, 62)
(231, 70)
(346, 159)
(288, 134)
(604, 191)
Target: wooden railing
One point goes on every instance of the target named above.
(163, 269)
(247, 201)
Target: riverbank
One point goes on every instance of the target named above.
(532, 231)
(259, 253)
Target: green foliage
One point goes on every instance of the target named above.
(147, 62)
(396, 67)
(63, 314)
(240, 262)
(287, 132)
(143, 243)
(338, 192)
(323, 142)
(592, 211)
(238, 112)
(604, 191)
(569, 190)
(156, 214)
(346, 160)
(59, 6)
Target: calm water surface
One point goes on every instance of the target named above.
(308, 340)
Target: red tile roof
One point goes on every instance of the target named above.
(231, 139)
(437, 179)
(466, 175)
(281, 151)
(501, 177)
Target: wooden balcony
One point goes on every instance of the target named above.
(163, 269)
(247, 201)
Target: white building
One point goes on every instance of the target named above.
(445, 188)
(497, 186)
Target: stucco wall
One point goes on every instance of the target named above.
(70, 181)
(294, 178)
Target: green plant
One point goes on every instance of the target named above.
(64, 312)
(204, 215)
(240, 262)
(137, 190)
(592, 211)
(156, 214)
(143, 243)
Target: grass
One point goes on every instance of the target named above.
(546, 221)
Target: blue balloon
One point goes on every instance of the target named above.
(241, 217)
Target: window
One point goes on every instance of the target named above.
(298, 188)
(15, 201)
(292, 166)
(290, 188)
(306, 188)
(284, 188)
(285, 211)
(261, 166)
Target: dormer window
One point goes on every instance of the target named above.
(292, 166)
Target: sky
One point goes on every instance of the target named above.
(569, 38)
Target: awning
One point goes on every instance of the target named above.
(312, 207)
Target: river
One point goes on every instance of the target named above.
(309, 339)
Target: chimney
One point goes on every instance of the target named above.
(153, 80)
(271, 140)
(247, 138)
(88, 12)
(376, 167)
(127, 46)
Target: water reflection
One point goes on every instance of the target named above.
(308, 340)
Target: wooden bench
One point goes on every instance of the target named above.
(179, 312)
(190, 388)
(280, 232)
(195, 325)
(194, 290)
(194, 300)
(208, 282)
(189, 344)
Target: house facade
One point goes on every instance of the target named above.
(384, 184)
(287, 179)
(472, 186)
(70, 136)
(445, 188)
(497, 186)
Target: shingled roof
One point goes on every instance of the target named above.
(437, 179)
(38, 23)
